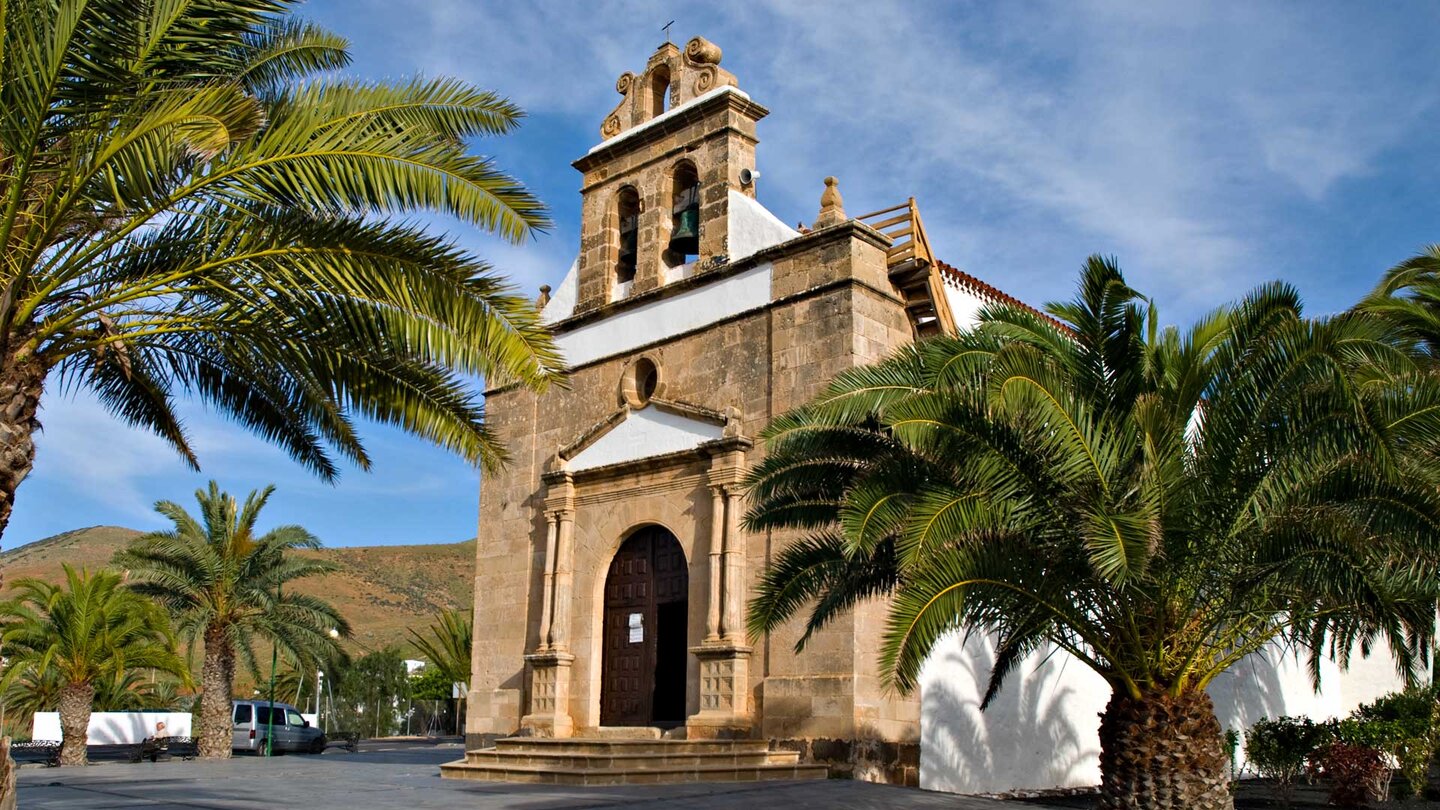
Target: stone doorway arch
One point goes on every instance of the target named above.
(644, 644)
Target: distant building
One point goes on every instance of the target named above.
(611, 567)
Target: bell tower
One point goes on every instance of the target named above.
(655, 198)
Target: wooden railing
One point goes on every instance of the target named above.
(913, 268)
(907, 233)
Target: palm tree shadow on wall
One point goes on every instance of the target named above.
(1042, 728)
(1040, 731)
(1254, 688)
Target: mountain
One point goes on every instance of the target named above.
(381, 590)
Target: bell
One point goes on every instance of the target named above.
(629, 237)
(685, 236)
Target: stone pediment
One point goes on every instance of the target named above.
(661, 428)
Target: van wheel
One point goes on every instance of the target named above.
(317, 746)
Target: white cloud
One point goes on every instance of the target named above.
(1175, 135)
(101, 460)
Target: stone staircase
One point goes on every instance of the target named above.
(575, 761)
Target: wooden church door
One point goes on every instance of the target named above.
(642, 678)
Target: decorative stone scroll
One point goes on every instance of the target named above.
(671, 75)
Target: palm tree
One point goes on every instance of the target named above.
(1408, 295)
(446, 645)
(86, 635)
(1157, 504)
(188, 206)
(225, 586)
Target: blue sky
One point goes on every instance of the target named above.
(1209, 147)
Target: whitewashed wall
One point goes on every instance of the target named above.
(114, 728)
(1042, 730)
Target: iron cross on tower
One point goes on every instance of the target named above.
(666, 29)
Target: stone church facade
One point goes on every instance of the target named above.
(612, 566)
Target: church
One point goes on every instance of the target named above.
(612, 566)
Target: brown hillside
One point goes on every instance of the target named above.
(381, 590)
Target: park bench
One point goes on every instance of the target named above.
(158, 748)
(43, 752)
(349, 740)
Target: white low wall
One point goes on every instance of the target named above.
(114, 728)
(1042, 730)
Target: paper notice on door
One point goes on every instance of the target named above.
(637, 628)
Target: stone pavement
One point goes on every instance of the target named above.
(407, 777)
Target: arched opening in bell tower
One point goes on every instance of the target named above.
(659, 90)
(684, 245)
(627, 205)
(642, 673)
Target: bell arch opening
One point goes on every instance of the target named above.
(627, 210)
(646, 610)
(684, 245)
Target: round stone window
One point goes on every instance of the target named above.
(641, 382)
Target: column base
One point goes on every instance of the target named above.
(549, 695)
(724, 693)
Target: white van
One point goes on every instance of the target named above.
(252, 722)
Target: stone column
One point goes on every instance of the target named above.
(724, 658)
(732, 623)
(717, 548)
(550, 664)
(564, 576)
(547, 593)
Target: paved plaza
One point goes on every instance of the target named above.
(408, 778)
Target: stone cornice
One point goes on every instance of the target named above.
(656, 130)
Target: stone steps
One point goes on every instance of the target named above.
(612, 747)
(629, 762)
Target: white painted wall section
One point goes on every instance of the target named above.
(114, 728)
(563, 298)
(752, 227)
(667, 317)
(645, 433)
(1042, 730)
(964, 306)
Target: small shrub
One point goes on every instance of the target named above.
(1277, 749)
(1232, 750)
(1358, 774)
(1409, 730)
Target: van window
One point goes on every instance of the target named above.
(262, 715)
(242, 713)
(294, 718)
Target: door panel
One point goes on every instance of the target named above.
(644, 621)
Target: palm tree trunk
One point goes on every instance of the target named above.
(1161, 752)
(216, 678)
(21, 383)
(7, 776)
(75, 702)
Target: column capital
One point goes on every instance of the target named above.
(559, 492)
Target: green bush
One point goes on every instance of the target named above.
(1277, 749)
(1405, 725)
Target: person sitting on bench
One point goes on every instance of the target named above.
(156, 747)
